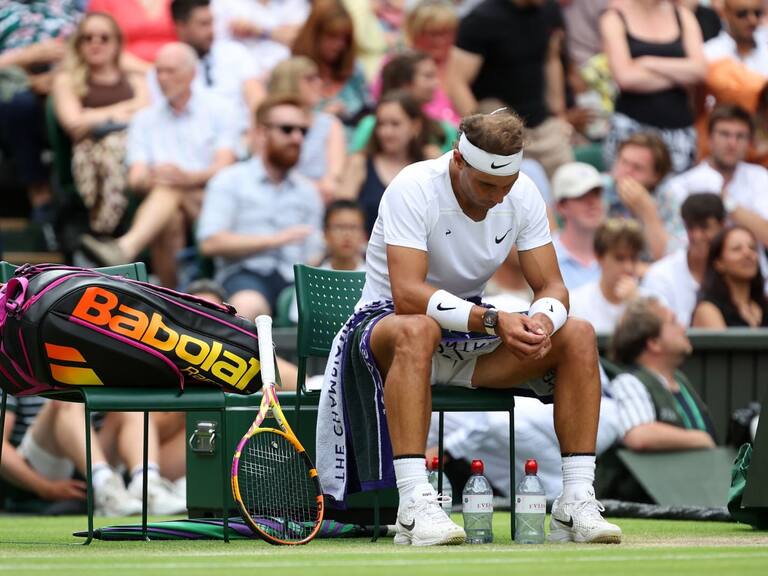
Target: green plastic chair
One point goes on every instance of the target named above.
(125, 399)
(326, 299)
(282, 315)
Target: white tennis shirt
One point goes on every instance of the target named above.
(419, 210)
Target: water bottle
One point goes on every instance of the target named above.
(434, 468)
(477, 501)
(530, 507)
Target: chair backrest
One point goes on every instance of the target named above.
(326, 299)
(133, 271)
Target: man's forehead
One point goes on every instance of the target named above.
(287, 112)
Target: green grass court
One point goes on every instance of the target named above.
(36, 545)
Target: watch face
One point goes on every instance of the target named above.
(490, 318)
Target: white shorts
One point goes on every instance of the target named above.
(46, 464)
(453, 364)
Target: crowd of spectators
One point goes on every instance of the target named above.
(261, 133)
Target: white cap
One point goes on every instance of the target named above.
(575, 179)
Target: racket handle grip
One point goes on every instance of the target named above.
(266, 350)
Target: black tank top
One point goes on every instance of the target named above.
(370, 194)
(731, 313)
(664, 109)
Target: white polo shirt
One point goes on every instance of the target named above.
(724, 46)
(670, 281)
(419, 210)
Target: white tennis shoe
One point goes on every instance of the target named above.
(581, 521)
(112, 499)
(423, 522)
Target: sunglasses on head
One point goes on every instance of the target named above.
(745, 12)
(289, 129)
(102, 38)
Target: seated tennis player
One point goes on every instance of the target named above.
(444, 227)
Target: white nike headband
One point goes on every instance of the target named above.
(493, 164)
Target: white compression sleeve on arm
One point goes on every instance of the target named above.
(449, 311)
(552, 308)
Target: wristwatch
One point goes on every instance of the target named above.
(490, 319)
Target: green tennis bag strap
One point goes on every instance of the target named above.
(62, 326)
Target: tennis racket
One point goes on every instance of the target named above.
(274, 481)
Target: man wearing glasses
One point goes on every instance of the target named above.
(260, 217)
(741, 40)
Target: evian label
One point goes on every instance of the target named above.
(525, 504)
(477, 503)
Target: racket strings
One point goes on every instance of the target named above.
(276, 488)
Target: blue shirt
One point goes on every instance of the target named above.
(243, 199)
(574, 272)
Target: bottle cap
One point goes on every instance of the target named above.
(435, 464)
(531, 467)
(477, 467)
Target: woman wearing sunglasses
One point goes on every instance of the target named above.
(95, 98)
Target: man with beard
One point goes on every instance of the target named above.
(174, 147)
(260, 217)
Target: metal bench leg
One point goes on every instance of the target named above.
(512, 471)
(145, 479)
(88, 474)
(376, 516)
(226, 480)
(440, 429)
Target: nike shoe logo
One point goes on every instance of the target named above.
(408, 527)
(442, 308)
(497, 166)
(569, 523)
(500, 240)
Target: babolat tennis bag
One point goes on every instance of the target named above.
(62, 326)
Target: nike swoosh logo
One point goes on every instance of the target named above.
(500, 240)
(443, 309)
(408, 527)
(496, 167)
(564, 523)
(447, 232)
(551, 309)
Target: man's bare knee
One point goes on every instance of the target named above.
(576, 339)
(417, 333)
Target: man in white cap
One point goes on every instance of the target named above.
(578, 191)
(444, 227)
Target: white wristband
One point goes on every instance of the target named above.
(450, 311)
(551, 308)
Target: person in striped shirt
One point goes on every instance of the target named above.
(658, 408)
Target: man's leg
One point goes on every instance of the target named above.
(165, 247)
(122, 439)
(576, 413)
(403, 347)
(59, 430)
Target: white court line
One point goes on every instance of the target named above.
(91, 566)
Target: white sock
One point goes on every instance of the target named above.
(578, 477)
(411, 473)
(100, 473)
(153, 472)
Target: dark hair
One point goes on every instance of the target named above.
(499, 133)
(662, 161)
(730, 112)
(338, 206)
(698, 208)
(181, 10)
(714, 287)
(401, 70)
(413, 110)
(638, 324)
(273, 101)
(618, 232)
(324, 14)
(206, 285)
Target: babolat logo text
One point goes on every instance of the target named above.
(101, 307)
